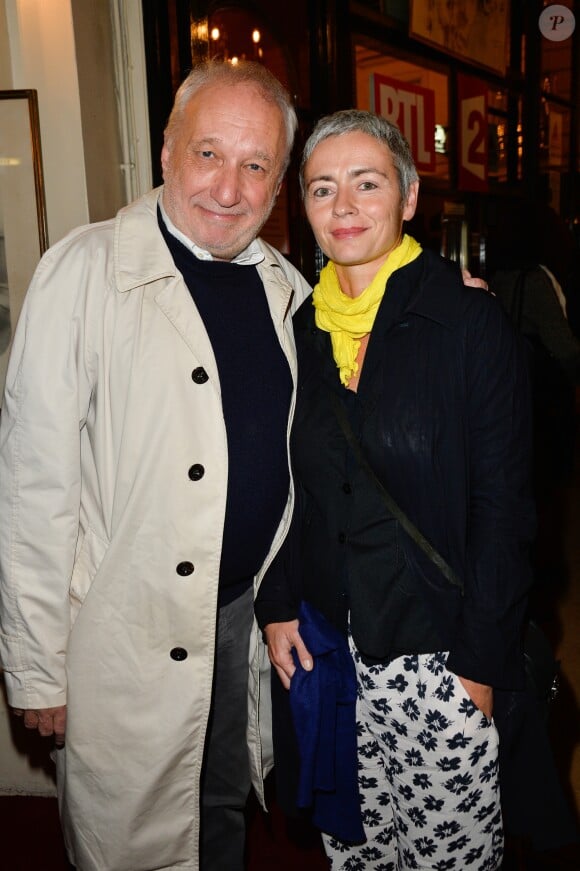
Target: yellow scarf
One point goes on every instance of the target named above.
(347, 319)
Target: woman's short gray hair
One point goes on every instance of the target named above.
(359, 121)
(214, 72)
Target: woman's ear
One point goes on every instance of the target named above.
(411, 204)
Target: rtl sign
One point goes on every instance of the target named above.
(412, 109)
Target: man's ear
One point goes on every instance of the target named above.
(165, 154)
(411, 205)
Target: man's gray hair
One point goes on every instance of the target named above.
(215, 72)
(359, 121)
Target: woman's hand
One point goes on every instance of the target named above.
(480, 694)
(281, 638)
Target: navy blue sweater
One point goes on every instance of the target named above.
(256, 388)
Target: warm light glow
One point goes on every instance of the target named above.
(10, 161)
(234, 61)
(215, 33)
(256, 36)
(199, 31)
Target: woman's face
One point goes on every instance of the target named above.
(353, 201)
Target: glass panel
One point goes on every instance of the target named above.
(371, 61)
(554, 136)
(498, 134)
(498, 100)
(236, 34)
(505, 134)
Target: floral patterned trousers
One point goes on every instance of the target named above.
(428, 773)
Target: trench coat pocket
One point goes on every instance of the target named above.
(88, 560)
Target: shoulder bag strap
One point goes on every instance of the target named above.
(393, 507)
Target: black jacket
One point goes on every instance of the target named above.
(443, 416)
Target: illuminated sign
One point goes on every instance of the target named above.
(412, 109)
(473, 134)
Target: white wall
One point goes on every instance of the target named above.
(43, 57)
(65, 50)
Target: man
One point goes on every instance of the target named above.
(144, 488)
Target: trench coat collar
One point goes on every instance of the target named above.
(141, 255)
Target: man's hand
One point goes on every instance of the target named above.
(480, 694)
(48, 721)
(470, 281)
(281, 638)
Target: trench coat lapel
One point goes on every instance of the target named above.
(176, 303)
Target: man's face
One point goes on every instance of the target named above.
(222, 168)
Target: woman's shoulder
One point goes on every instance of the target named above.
(303, 319)
(442, 295)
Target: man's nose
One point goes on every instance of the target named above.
(226, 186)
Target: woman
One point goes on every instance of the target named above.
(408, 377)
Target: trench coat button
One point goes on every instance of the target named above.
(196, 472)
(184, 569)
(199, 375)
(178, 654)
(346, 488)
(341, 537)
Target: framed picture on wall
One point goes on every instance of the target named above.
(23, 226)
(475, 30)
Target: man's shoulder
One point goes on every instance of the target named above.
(88, 254)
(67, 260)
(86, 234)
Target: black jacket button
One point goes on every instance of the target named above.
(346, 488)
(178, 654)
(196, 472)
(341, 537)
(184, 569)
(199, 375)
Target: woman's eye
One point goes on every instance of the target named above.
(368, 186)
(321, 192)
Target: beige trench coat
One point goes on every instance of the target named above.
(103, 415)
